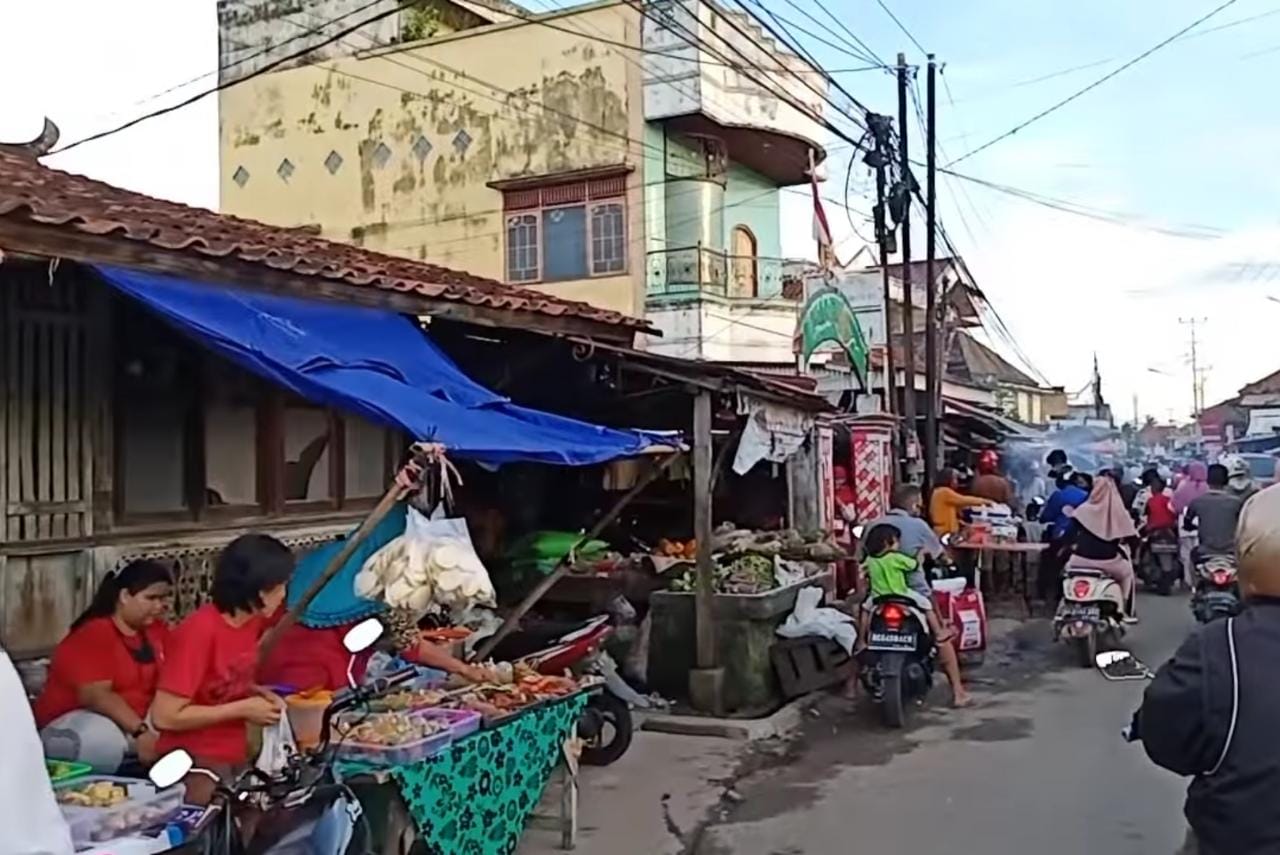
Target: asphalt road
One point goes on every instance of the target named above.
(1036, 766)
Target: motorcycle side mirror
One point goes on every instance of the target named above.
(171, 768)
(363, 635)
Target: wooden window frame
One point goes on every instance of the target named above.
(269, 463)
(586, 194)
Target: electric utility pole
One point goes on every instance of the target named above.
(908, 322)
(879, 158)
(1196, 403)
(932, 363)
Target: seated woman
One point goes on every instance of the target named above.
(103, 675)
(1095, 539)
(310, 653)
(207, 693)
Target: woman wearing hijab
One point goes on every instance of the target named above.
(1210, 713)
(1095, 539)
(1193, 486)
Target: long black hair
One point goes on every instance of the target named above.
(133, 577)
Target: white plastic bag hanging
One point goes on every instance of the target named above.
(278, 746)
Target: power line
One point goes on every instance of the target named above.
(1095, 84)
(271, 66)
(902, 26)
(792, 43)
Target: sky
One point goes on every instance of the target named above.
(1175, 148)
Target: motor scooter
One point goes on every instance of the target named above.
(1090, 614)
(606, 724)
(898, 662)
(1216, 592)
(1160, 565)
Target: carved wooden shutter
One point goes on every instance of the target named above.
(46, 449)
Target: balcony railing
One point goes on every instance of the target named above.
(693, 269)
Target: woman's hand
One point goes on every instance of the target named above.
(474, 674)
(260, 710)
(145, 746)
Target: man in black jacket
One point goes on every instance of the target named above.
(1213, 710)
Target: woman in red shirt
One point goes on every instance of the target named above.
(103, 675)
(207, 693)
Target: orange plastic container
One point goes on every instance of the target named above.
(306, 714)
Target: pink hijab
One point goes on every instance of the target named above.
(1192, 486)
(1104, 514)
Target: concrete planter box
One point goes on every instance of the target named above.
(745, 625)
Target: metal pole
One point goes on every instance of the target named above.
(932, 363)
(908, 322)
(704, 592)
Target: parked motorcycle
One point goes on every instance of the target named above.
(1090, 614)
(898, 662)
(1216, 593)
(1160, 565)
(302, 808)
(606, 724)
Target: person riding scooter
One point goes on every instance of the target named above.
(1214, 515)
(1211, 711)
(1240, 481)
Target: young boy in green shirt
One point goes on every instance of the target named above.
(893, 573)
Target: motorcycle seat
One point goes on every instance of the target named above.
(894, 598)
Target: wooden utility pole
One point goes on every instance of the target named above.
(908, 322)
(932, 363)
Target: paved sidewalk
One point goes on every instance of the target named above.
(652, 801)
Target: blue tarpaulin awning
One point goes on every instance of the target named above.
(374, 363)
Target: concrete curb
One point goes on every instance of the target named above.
(780, 724)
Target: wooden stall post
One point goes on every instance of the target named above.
(706, 682)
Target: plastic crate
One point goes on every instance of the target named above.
(461, 722)
(146, 807)
(61, 771)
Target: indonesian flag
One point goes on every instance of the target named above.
(821, 227)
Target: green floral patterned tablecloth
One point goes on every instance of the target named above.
(475, 797)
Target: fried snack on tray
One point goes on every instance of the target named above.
(493, 701)
(408, 700)
(100, 794)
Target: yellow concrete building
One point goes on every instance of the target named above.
(598, 153)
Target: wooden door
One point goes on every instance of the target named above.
(743, 251)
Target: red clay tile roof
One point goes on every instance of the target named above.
(32, 192)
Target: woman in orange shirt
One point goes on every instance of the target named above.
(946, 502)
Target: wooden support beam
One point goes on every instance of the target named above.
(704, 592)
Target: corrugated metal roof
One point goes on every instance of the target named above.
(32, 193)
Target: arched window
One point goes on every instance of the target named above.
(742, 248)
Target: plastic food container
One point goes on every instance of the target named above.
(306, 715)
(404, 754)
(61, 771)
(146, 807)
(461, 722)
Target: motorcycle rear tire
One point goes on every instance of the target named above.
(893, 701)
(1087, 648)
(613, 712)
